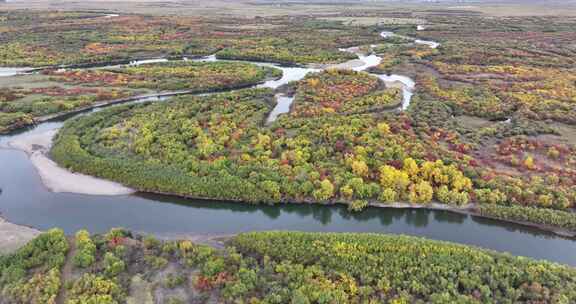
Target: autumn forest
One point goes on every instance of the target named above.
(436, 109)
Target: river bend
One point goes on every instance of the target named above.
(25, 200)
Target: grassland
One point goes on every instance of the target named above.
(317, 7)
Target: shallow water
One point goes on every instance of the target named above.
(369, 62)
(7, 72)
(283, 106)
(408, 86)
(431, 44)
(288, 74)
(147, 61)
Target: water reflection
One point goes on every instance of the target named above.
(516, 228)
(452, 218)
(417, 219)
(323, 214)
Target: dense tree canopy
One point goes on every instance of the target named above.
(275, 267)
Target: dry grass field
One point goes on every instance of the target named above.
(252, 8)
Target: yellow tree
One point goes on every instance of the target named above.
(393, 178)
(421, 193)
(411, 167)
(388, 176)
(383, 128)
(388, 195)
(325, 192)
(360, 168)
(529, 162)
(347, 192)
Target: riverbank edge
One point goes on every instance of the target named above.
(218, 240)
(13, 236)
(57, 179)
(470, 209)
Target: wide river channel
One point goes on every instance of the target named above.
(25, 200)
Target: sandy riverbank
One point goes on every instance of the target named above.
(14, 236)
(348, 65)
(58, 179)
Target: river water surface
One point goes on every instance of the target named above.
(7, 72)
(25, 200)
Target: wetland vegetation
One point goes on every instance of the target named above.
(487, 128)
(61, 91)
(340, 142)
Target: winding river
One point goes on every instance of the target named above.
(25, 200)
(8, 72)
